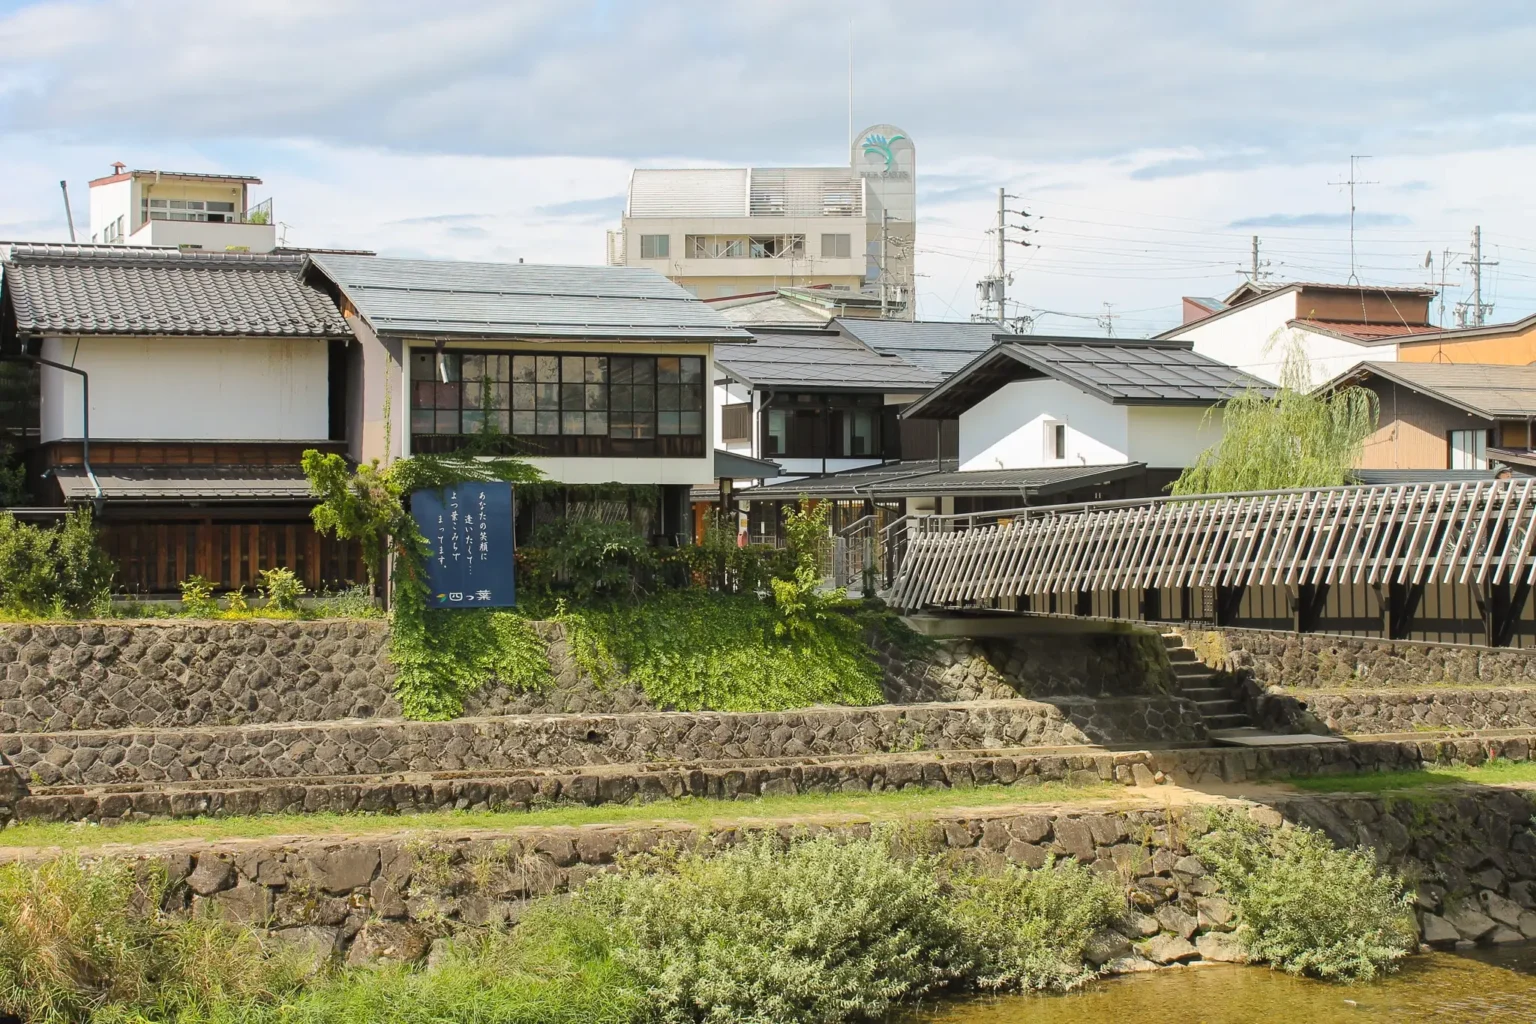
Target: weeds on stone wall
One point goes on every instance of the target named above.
(87, 941)
(819, 931)
(1304, 905)
(53, 571)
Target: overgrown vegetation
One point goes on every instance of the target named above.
(1301, 437)
(809, 930)
(89, 941)
(53, 571)
(1305, 906)
(1492, 772)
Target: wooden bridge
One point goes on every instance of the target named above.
(1447, 561)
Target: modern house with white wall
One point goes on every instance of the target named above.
(598, 376)
(1053, 420)
(203, 212)
(207, 376)
(1335, 325)
(722, 232)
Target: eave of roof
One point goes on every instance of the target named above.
(1364, 334)
(1448, 396)
(925, 479)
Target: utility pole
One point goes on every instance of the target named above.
(1474, 314)
(1439, 286)
(992, 291)
(1002, 260)
(1107, 321)
(1255, 271)
(1354, 162)
(885, 242)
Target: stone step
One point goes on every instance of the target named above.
(376, 747)
(1171, 640)
(1180, 655)
(1227, 721)
(1187, 669)
(1204, 693)
(1210, 709)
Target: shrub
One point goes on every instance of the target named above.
(691, 650)
(354, 602)
(591, 560)
(53, 570)
(1028, 929)
(197, 597)
(282, 589)
(1306, 906)
(77, 937)
(822, 931)
(460, 650)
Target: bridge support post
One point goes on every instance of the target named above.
(1228, 601)
(1505, 606)
(1402, 607)
(1311, 600)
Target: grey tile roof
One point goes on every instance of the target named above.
(821, 361)
(1490, 391)
(81, 289)
(182, 483)
(906, 479)
(940, 346)
(444, 298)
(1420, 476)
(1119, 372)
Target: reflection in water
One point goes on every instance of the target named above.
(1488, 985)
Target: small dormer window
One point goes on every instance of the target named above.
(1055, 440)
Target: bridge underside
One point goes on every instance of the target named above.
(1450, 562)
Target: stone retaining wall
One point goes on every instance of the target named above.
(379, 747)
(1373, 712)
(623, 784)
(184, 674)
(1316, 661)
(1472, 851)
(1130, 663)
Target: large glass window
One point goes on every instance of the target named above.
(655, 247)
(547, 395)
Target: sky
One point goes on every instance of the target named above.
(1148, 142)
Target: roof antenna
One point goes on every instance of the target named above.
(68, 215)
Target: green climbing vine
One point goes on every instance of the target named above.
(439, 656)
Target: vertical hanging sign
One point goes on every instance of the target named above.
(468, 528)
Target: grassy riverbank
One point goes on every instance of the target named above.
(1491, 773)
(689, 810)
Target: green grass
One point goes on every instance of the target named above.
(1491, 773)
(689, 810)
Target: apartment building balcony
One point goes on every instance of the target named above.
(230, 231)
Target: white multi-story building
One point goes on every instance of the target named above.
(742, 230)
(210, 212)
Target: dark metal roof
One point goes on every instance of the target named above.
(917, 479)
(1118, 372)
(1489, 391)
(935, 345)
(731, 466)
(187, 483)
(445, 298)
(90, 289)
(820, 361)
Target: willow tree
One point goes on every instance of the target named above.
(1298, 437)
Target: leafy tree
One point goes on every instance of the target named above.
(1300, 437)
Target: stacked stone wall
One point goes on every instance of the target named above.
(1472, 854)
(1122, 664)
(383, 747)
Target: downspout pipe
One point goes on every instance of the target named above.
(85, 416)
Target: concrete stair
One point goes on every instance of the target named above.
(1221, 704)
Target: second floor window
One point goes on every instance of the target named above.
(761, 247)
(1469, 449)
(824, 427)
(836, 247)
(186, 209)
(655, 247)
(531, 395)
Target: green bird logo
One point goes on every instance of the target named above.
(879, 145)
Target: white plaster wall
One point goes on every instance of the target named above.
(107, 203)
(1170, 437)
(235, 389)
(209, 235)
(1255, 338)
(785, 271)
(1006, 430)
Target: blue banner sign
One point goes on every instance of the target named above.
(469, 531)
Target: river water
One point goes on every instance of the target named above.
(1497, 985)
